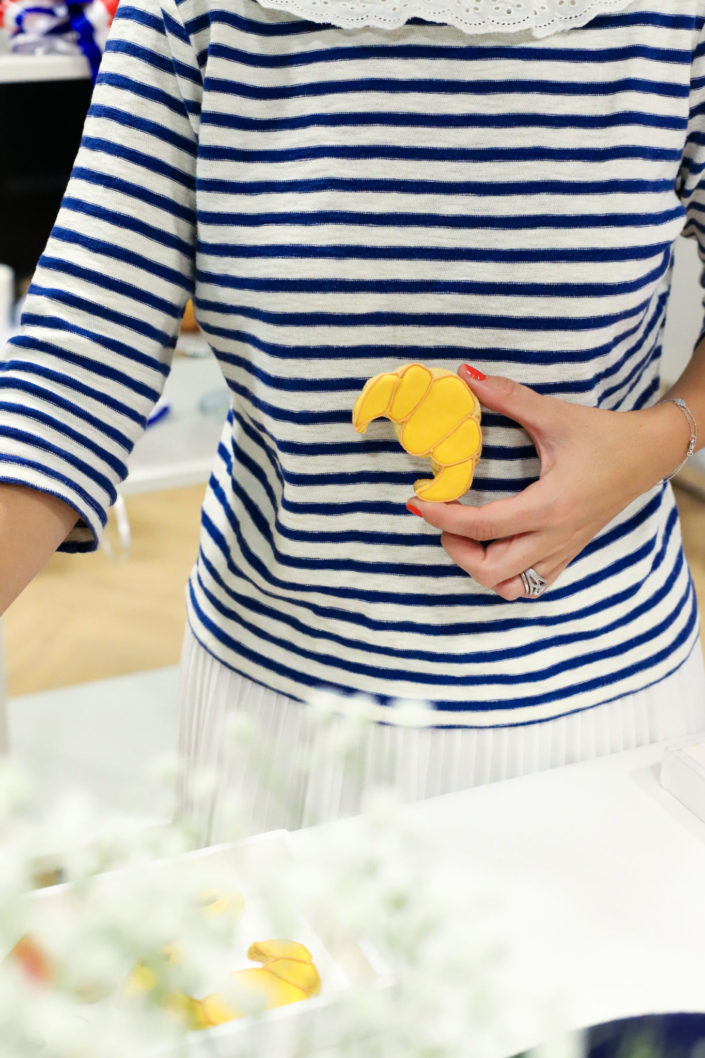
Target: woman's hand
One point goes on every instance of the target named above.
(593, 464)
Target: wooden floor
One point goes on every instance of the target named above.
(86, 617)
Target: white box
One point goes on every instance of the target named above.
(683, 772)
(343, 962)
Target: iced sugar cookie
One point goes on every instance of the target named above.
(287, 976)
(435, 415)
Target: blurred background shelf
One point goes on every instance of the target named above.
(22, 69)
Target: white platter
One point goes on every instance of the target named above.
(344, 962)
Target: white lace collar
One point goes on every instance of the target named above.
(541, 17)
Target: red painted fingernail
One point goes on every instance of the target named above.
(410, 507)
(474, 373)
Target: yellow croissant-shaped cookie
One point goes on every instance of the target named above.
(435, 415)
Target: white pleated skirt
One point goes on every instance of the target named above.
(244, 745)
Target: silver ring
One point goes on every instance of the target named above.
(534, 583)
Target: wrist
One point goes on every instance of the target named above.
(668, 438)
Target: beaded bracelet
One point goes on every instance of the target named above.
(692, 426)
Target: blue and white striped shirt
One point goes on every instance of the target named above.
(340, 202)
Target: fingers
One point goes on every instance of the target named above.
(493, 565)
(520, 403)
(514, 589)
(526, 511)
(499, 566)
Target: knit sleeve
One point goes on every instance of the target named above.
(103, 311)
(691, 176)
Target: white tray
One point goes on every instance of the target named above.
(683, 772)
(344, 963)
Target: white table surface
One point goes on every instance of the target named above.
(599, 877)
(102, 735)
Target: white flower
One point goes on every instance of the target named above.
(15, 789)
(238, 729)
(411, 713)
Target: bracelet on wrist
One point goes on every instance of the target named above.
(692, 426)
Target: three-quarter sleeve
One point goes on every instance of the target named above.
(103, 311)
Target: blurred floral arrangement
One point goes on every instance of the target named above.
(88, 966)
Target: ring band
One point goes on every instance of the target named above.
(534, 583)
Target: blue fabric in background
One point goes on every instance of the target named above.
(651, 1036)
(655, 1036)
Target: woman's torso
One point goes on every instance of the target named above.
(368, 198)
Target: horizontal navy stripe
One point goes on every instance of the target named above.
(438, 253)
(130, 190)
(95, 367)
(299, 26)
(439, 121)
(158, 132)
(19, 367)
(436, 220)
(150, 58)
(53, 399)
(325, 285)
(96, 308)
(352, 447)
(442, 188)
(66, 456)
(144, 161)
(119, 253)
(100, 279)
(383, 151)
(145, 91)
(464, 53)
(418, 319)
(142, 18)
(446, 86)
(69, 434)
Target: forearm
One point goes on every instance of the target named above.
(669, 431)
(32, 525)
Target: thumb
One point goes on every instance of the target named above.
(507, 397)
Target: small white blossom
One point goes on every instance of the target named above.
(238, 729)
(411, 713)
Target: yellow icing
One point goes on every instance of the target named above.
(264, 950)
(434, 414)
(453, 481)
(373, 401)
(445, 405)
(412, 387)
(466, 438)
(287, 976)
(302, 974)
(256, 989)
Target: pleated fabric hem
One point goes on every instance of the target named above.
(288, 767)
